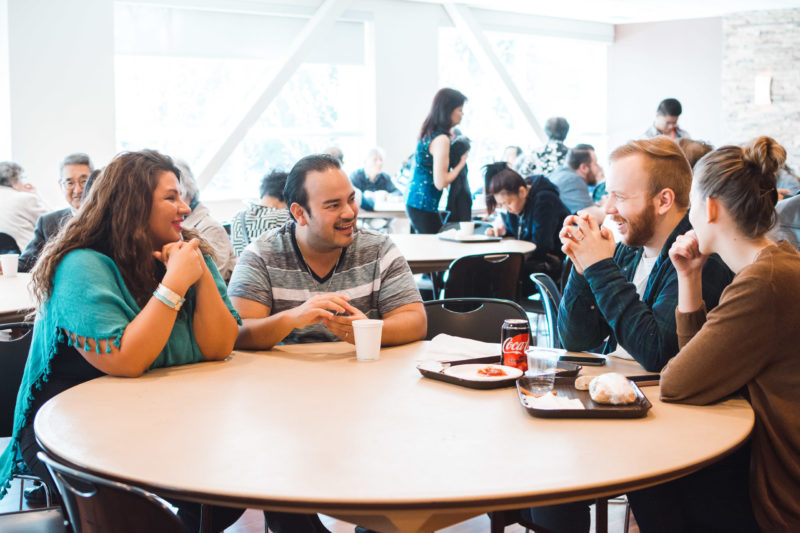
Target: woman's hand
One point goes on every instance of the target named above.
(685, 255)
(184, 262)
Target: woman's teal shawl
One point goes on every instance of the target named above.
(90, 300)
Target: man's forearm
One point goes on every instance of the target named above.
(404, 327)
(264, 333)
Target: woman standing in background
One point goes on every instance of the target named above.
(432, 172)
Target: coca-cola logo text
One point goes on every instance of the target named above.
(517, 344)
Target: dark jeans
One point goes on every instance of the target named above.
(715, 499)
(424, 221)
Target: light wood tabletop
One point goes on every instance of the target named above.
(429, 253)
(16, 301)
(307, 428)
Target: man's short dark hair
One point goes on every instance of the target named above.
(272, 184)
(556, 128)
(76, 159)
(295, 190)
(581, 153)
(669, 107)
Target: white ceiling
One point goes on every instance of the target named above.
(627, 11)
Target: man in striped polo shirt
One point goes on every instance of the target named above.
(309, 279)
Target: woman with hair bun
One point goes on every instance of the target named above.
(748, 341)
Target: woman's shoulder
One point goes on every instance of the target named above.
(86, 258)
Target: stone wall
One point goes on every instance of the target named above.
(762, 42)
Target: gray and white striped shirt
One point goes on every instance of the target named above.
(371, 272)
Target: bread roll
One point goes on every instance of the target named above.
(582, 382)
(612, 388)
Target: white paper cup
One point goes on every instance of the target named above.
(465, 229)
(9, 263)
(367, 333)
(542, 368)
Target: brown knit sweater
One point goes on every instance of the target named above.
(751, 339)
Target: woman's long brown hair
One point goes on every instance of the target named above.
(114, 220)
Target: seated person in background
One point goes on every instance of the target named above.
(372, 179)
(626, 293)
(511, 154)
(788, 226)
(666, 121)
(208, 227)
(20, 206)
(573, 180)
(788, 182)
(549, 157)
(75, 171)
(533, 213)
(693, 150)
(749, 340)
(307, 281)
(98, 312)
(269, 213)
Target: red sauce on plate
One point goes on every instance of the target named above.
(492, 371)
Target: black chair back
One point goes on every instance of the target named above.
(95, 504)
(551, 298)
(473, 318)
(484, 276)
(7, 244)
(13, 355)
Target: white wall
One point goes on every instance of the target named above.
(5, 105)
(61, 70)
(650, 62)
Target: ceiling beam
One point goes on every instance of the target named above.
(319, 24)
(471, 32)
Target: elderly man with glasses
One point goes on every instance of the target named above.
(75, 172)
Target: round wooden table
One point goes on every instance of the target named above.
(307, 428)
(16, 300)
(429, 253)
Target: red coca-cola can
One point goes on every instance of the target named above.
(515, 336)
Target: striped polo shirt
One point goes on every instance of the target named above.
(371, 272)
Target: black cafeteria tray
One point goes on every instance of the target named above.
(570, 369)
(565, 386)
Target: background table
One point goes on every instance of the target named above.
(307, 428)
(429, 253)
(16, 301)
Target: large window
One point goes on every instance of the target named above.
(557, 77)
(184, 98)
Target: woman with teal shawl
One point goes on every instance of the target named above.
(120, 292)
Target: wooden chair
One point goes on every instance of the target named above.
(94, 504)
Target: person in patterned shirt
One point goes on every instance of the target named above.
(269, 213)
(549, 157)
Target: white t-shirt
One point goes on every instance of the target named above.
(640, 278)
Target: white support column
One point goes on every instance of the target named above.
(471, 32)
(317, 26)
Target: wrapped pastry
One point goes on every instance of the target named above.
(612, 388)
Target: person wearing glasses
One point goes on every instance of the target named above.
(75, 172)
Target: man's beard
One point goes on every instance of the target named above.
(641, 228)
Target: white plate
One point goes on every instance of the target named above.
(470, 372)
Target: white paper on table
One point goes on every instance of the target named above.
(550, 401)
(445, 347)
